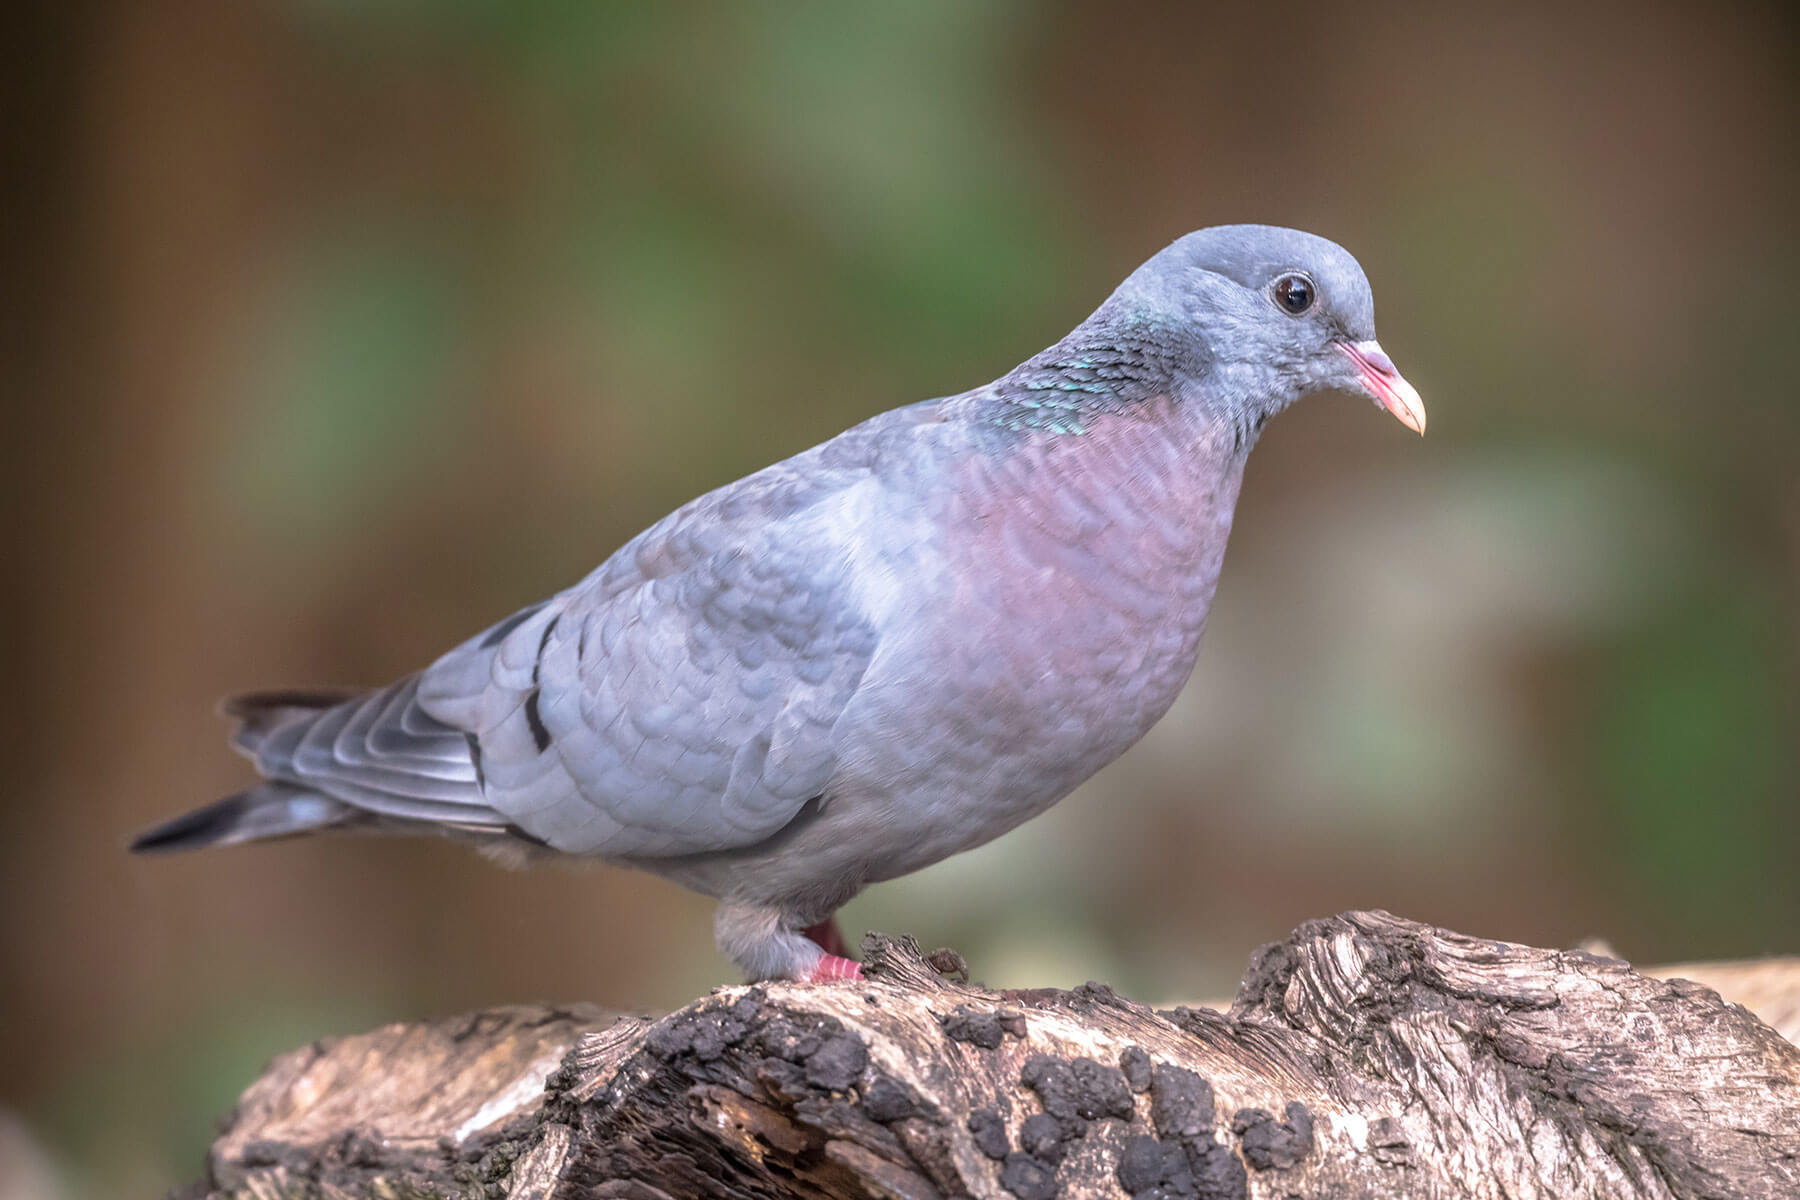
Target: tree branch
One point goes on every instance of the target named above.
(1364, 1056)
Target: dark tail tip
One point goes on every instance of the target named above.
(271, 810)
(203, 827)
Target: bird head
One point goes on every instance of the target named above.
(1268, 315)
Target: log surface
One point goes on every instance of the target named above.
(1366, 1056)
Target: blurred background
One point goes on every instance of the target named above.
(339, 330)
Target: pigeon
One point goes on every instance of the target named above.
(883, 651)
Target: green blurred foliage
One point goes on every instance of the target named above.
(355, 388)
(1696, 761)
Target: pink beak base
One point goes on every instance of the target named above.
(1385, 385)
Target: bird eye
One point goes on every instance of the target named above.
(1295, 293)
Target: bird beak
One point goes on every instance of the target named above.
(1385, 385)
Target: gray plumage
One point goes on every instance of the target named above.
(889, 648)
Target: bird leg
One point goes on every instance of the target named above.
(831, 968)
(836, 962)
(828, 937)
(758, 937)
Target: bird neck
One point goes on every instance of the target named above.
(1117, 362)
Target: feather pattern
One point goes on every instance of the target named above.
(379, 752)
(682, 699)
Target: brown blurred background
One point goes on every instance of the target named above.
(337, 330)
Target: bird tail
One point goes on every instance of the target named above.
(259, 714)
(269, 810)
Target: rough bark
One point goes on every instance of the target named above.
(1365, 1056)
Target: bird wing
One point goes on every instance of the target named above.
(681, 699)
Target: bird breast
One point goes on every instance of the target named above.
(1056, 599)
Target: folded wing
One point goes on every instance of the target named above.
(682, 698)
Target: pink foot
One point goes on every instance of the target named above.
(833, 968)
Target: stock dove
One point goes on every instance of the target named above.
(887, 649)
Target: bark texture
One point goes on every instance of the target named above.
(1366, 1056)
